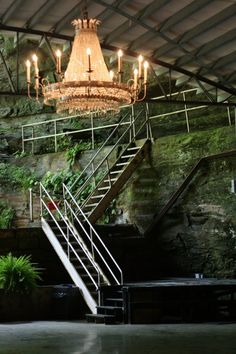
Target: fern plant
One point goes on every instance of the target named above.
(18, 274)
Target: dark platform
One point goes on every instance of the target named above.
(180, 300)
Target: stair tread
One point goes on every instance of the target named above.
(113, 299)
(110, 307)
(98, 315)
(122, 163)
(133, 148)
(127, 156)
(97, 196)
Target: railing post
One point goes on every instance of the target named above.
(91, 240)
(40, 196)
(148, 123)
(32, 135)
(92, 130)
(23, 139)
(31, 205)
(133, 118)
(55, 135)
(108, 171)
(186, 113)
(229, 116)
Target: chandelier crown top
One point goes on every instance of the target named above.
(86, 23)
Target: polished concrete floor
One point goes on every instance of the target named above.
(82, 338)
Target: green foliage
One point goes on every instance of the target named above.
(18, 274)
(53, 181)
(14, 177)
(109, 214)
(74, 151)
(6, 215)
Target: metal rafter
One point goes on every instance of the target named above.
(146, 11)
(73, 13)
(183, 14)
(151, 29)
(199, 29)
(209, 47)
(8, 73)
(11, 9)
(220, 86)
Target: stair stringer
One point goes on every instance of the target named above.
(69, 266)
(98, 211)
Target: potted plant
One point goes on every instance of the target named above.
(18, 279)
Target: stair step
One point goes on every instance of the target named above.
(97, 196)
(110, 307)
(90, 205)
(114, 299)
(127, 156)
(97, 318)
(111, 179)
(122, 163)
(133, 148)
(103, 188)
(115, 172)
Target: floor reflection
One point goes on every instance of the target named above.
(82, 338)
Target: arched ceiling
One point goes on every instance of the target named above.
(190, 37)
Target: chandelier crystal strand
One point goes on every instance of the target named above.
(87, 86)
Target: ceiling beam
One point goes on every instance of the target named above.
(176, 68)
(199, 29)
(70, 15)
(183, 14)
(10, 10)
(209, 47)
(127, 25)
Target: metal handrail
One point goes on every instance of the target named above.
(108, 170)
(42, 202)
(108, 154)
(101, 148)
(91, 228)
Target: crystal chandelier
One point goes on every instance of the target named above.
(87, 85)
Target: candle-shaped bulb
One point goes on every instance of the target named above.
(140, 60)
(58, 53)
(28, 65)
(111, 75)
(135, 78)
(58, 56)
(88, 51)
(120, 54)
(36, 71)
(34, 58)
(145, 65)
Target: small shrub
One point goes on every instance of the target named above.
(6, 215)
(18, 274)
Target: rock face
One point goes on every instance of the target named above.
(199, 233)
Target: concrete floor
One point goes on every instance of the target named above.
(82, 338)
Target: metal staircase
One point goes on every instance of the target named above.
(68, 227)
(106, 175)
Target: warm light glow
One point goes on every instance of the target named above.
(88, 51)
(140, 60)
(111, 75)
(135, 78)
(145, 65)
(58, 53)
(120, 53)
(34, 58)
(87, 86)
(28, 65)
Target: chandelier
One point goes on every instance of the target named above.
(87, 86)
